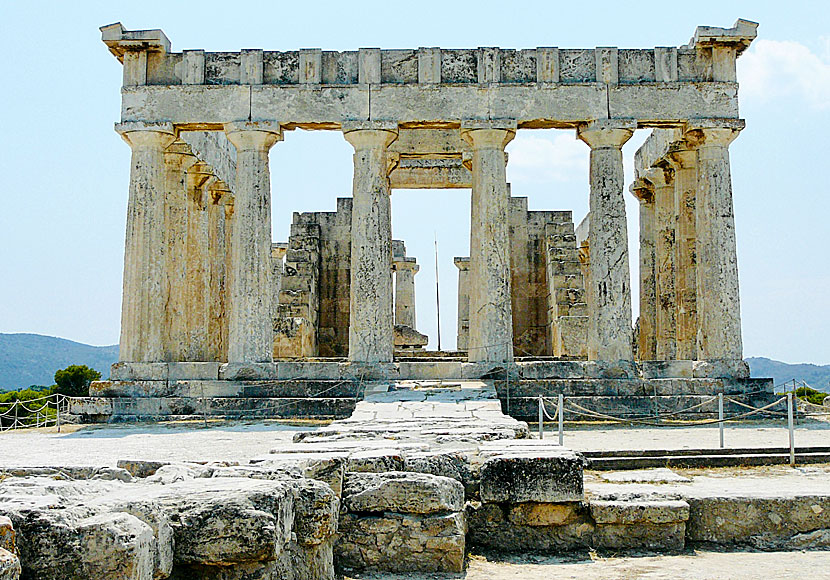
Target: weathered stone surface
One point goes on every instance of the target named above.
(643, 535)
(402, 543)
(117, 546)
(548, 476)
(141, 468)
(403, 492)
(628, 512)
(7, 535)
(544, 514)
(376, 460)
(9, 565)
(316, 510)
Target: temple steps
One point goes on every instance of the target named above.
(691, 458)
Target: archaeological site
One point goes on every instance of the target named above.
(412, 459)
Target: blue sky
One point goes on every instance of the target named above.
(65, 171)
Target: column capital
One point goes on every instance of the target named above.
(488, 134)
(606, 133)
(681, 155)
(699, 133)
(643, 190)
(179, 156)
(253, 135)
(405, 264)
(369, 134)
(659, 176)
(139, 135)
(462, 264)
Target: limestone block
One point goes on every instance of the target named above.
(138, 371)
(135, 389)
(316, 509)
(9, 566)
(7, 535)
(490, 528)
(304, 562)
(543, 514)
(175, 472)
(737, 369)
(452, 464)
(430, 370)
(620, 369)
(636, 512)
(116, 547)
(206, 388)
(546, 475)
(402, 492)
(408, 337)
(668, 369)
(247, 371)
(642, 536)
(307, 370)
(402, 543)
(141, 468)
(182, 371)
(376, 461)
(552, 369)
(91, 405)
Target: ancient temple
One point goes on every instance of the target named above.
(209, 296)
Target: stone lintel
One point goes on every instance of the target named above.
(474, 124)
(350, 126)
(120, 40)
(156, 126)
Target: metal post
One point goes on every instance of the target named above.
(561, 412)
(790, 427)
(541, 418)
(15, 425)
(507, 379)
(720, 417)
(58, 412)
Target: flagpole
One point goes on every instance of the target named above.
(437, 293)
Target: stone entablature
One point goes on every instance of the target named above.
(542, 87)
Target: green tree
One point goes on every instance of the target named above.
(73, 381)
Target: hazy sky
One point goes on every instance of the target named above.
(65, 171)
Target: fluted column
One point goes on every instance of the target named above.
(144, 289)
(199, 179)
(178, 158)
(405, 270)
(219, 193)
(684, 162)
(647, 338)
(491, 316)
(609, 325)
(249, 322)
(718, 297)
(664, 248)
(371, 325)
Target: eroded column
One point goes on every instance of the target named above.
(249, 317)
(664, 248)
(647, 337)
(405, 270)
(463, 331)
(718, 298)
(609, 326)
(219, 194)
(491, 319)
(178, 158)
(371, 328)
(144, 288)
(199, 179)
(684, 161)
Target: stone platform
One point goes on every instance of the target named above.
(330, 388)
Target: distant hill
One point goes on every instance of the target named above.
(32, 359)
(817, 376)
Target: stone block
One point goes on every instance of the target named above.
(9, 566)
(639, 512)
(621, 369)
(7, 535)
(402, 543)
(642, 536)
(369, 371)
(138, 371)
(450, 464)
(206, 388)
(720, 369)
(666, 369)
(316, 511)
(135, 389)
(546, 476)
(91, 406)
(552, 369)
(543, 514)
(140, 468)
(375, 461)
(117, 547)
(428, 370)
(287, 370)
(247, 371)
(402, 492)
(183, 371)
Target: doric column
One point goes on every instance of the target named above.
(664, 248)
(491, 317)
(684, 161)
(227, 203)
(718, 298)
(463, 333)
(144, 290)
(278, 252)
(219, 193)
(199, 179)
(647, 338)
(178, 158)
(249, 321)
(405, 270)
(609, 326)
(371, 332)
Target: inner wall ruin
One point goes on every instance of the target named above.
(209, 297)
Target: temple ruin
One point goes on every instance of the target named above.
(209, 299)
